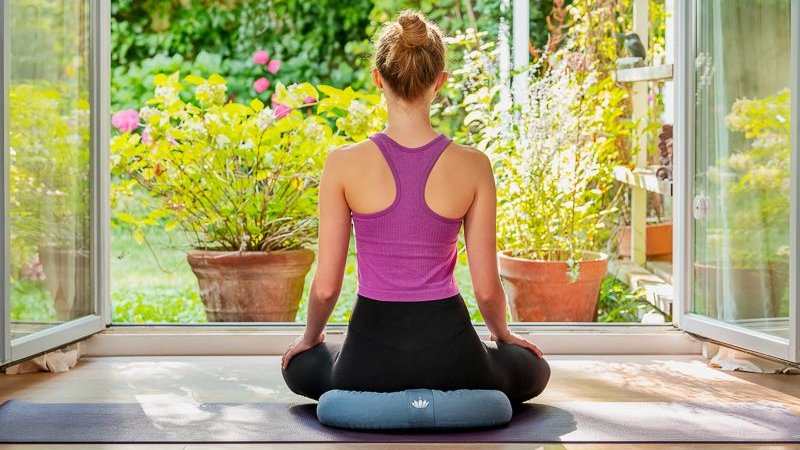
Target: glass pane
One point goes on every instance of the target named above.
(49, 152)
(742, 170)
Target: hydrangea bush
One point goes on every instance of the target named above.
(756, 179)
(235, 176)
(49, 153)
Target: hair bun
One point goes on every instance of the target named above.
(415, 29)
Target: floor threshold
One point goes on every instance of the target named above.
(165, 340)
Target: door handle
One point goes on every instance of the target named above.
(700, 207)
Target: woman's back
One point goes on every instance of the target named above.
(407, 206)
(406, 192)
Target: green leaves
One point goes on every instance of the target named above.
(552, 160)
(234, 175)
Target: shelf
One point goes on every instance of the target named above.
(647, 73)
(644, 178)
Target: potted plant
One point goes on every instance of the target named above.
(241, 181)
(50, 151)
(553, 160)
(748, 238)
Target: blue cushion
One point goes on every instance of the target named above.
(414, 408)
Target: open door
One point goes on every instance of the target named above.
(737, 173)
(55, 172)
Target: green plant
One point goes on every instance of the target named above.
(31, 302)
(755, 178)
(157, 305)
(553, 157)
(235, 176)
(320, 42)
(618, 303)
(49, 170)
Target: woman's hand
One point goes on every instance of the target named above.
(514, 338)
(299, 345)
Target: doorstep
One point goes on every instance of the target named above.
(272, 339)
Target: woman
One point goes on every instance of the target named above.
(406, 191)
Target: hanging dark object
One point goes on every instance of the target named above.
(665, 153)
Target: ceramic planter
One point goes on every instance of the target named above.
(658, 241)
(541, 291)
(751, 293)
(251, 286)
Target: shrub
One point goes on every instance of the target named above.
(235, 176)
(755, 178)
(553, 157)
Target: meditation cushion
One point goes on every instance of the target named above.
(413, 408)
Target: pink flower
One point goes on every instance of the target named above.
(280, 109)
(261, 85)
(261, 57)
(146, 136)
(125, 120)
(274, 66)
(309, 99)
(33, 270)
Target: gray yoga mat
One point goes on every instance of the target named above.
(27, 422)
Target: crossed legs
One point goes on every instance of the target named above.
(514, 370)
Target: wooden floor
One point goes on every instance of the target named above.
(248, 379)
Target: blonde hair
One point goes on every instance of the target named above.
(410, 54)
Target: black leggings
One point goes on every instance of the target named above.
(393, 346)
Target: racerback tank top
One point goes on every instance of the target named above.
(407, 252)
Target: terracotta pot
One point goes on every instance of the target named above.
(658, 240)
(541, 291)
(67, 277)
(251, 286)
(755, 293)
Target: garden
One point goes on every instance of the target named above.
(223, 113)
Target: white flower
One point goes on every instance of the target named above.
(246, 145)
(211, 93)
(167, 93)
(146, 112)
(222, 140)
(739, 162)
(194, 125)
(266, 117)
(357, 109)
(314, 131)
(212, 118)
(74, 139)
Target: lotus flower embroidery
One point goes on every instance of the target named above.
(419, 403)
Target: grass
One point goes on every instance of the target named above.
(146, 290)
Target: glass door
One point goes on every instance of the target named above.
(739, 231)
(54, 153)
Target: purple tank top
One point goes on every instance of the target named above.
(407, 252)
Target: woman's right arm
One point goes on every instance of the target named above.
(480, 235)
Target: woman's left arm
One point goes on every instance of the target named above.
(334, 240)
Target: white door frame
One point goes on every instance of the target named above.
(794, 258)
(5, 202)
(683, 184)
(100, 182)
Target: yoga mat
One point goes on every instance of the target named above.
(27, 422)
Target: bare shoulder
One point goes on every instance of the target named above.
(352, 151)
(348, 161)
(346, 155)
(470, 159)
